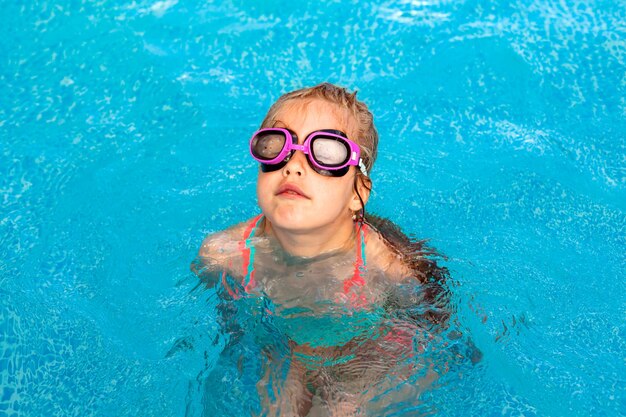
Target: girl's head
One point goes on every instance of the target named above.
(298, 196)
(347, 105)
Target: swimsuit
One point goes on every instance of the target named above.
(360, 263)
(325, 329)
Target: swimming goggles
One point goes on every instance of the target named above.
(329, 152)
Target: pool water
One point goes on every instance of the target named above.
(123, 129)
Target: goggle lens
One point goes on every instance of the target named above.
(267, 145)
(329, 152)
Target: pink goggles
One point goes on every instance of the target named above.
(329, 152)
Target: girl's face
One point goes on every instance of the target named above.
(297, 199)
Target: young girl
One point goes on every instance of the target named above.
(330, 277)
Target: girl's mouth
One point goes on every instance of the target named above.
(291, 191)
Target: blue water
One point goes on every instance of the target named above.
(123, 129)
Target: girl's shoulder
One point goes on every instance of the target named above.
(397, 255)
(222, 250)
(384, 257)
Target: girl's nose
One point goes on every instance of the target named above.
(295, 165)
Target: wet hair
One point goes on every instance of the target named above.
(366, 133)
(432, 307)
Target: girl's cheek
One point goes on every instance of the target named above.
(262, 180)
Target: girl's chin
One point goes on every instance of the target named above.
(300, 222)
(289, 223)
(292, 220)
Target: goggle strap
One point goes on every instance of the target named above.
(362, 167)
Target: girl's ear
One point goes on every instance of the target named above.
(362, 189)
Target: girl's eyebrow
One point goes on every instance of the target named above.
(278, 122)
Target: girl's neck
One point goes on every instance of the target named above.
(316, 242)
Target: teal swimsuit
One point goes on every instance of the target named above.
(331, 328)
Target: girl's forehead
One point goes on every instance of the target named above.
(316, 112)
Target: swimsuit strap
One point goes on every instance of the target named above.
(360, 262)
(248, 250)
(362, 232)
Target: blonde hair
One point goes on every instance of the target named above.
(367, 136)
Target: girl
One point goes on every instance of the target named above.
(328, 275)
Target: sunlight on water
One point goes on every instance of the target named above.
(123, 130)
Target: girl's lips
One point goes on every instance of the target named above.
(291, 191)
